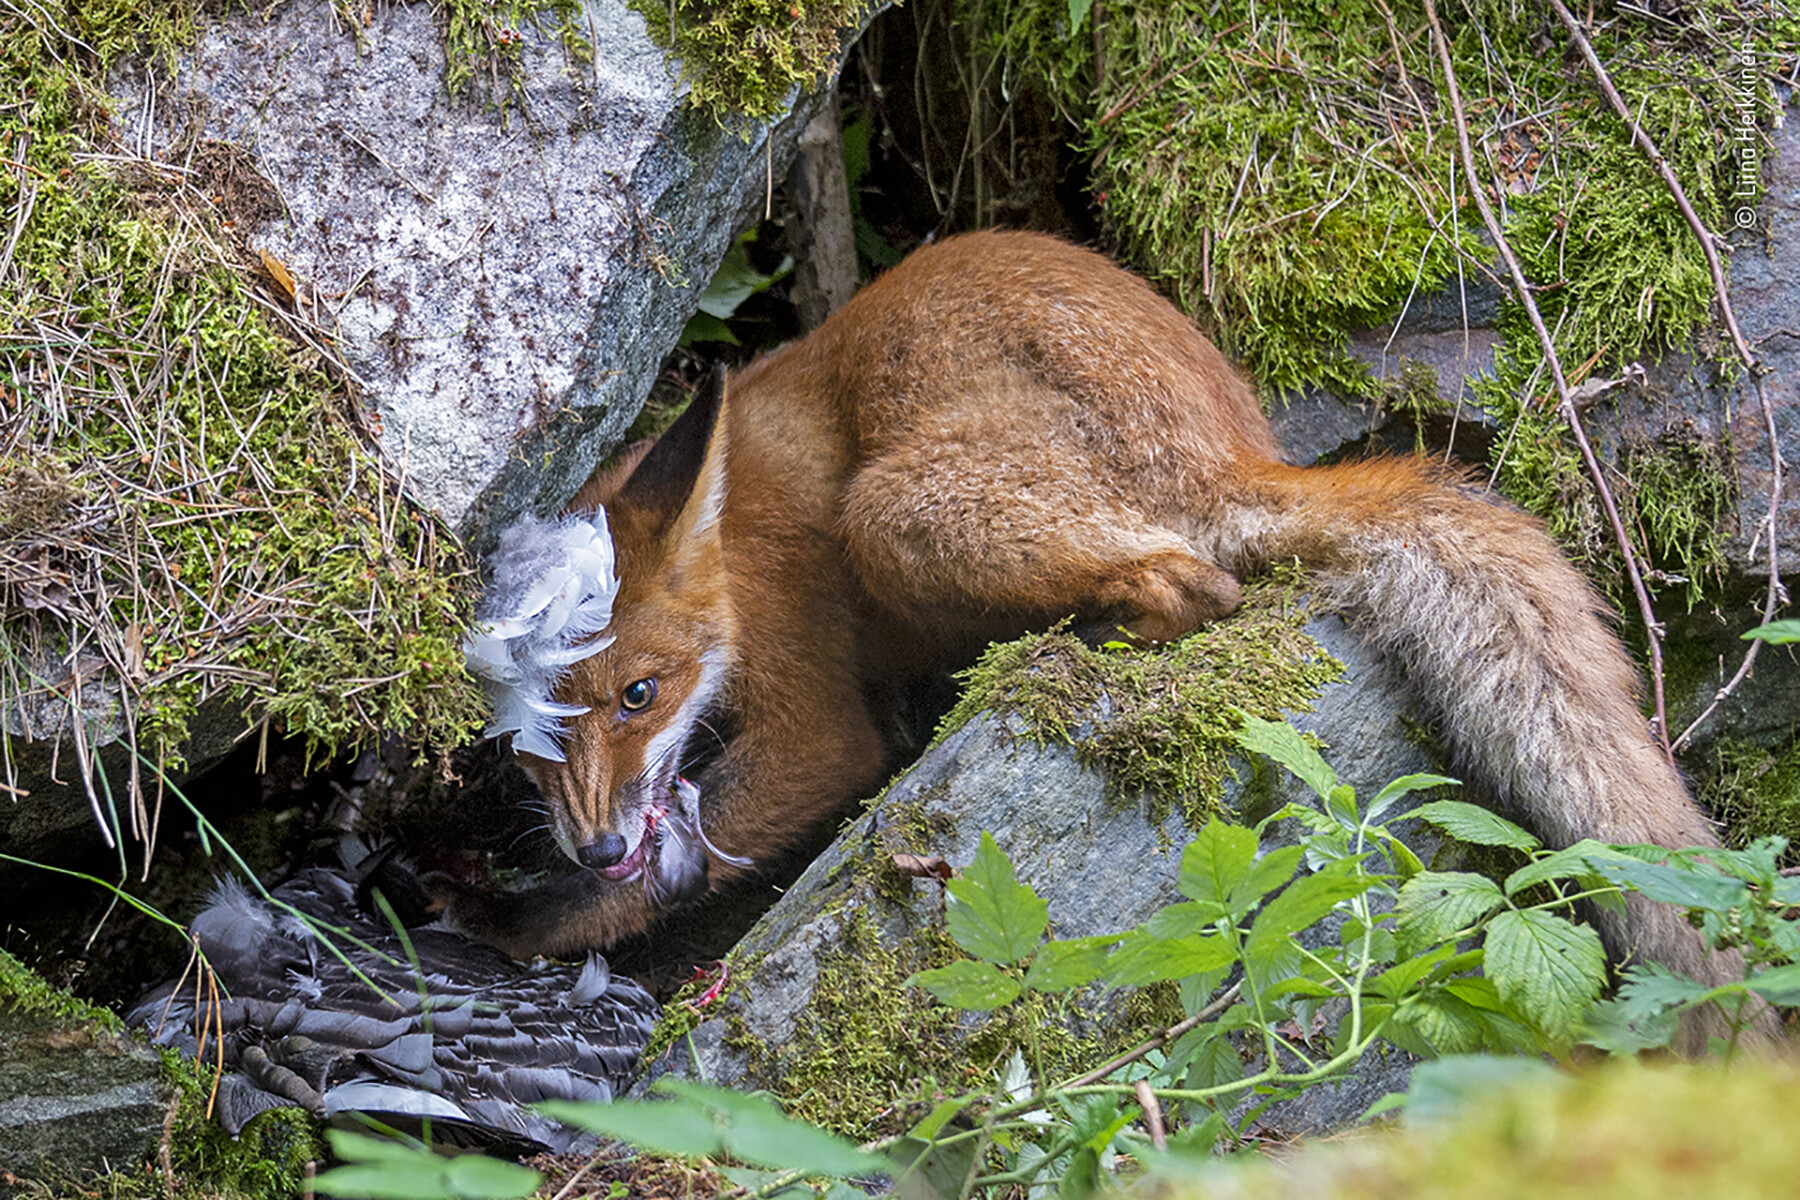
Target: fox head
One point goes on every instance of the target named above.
(617, 801)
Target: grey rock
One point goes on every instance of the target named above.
(74, 1097)
(504, 281)
(1103, 865)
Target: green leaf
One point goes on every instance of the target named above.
(1476, 825)
(1646, 1012)
(1436, 1021)
(1776, 633)
(1142, 959)
(1548, 968)
(1310, 897)
(1215, 862)
(1446, 1089)
(936, 1119)
(990, 914)
(1181, 920)
(1268, 873)
(381, 1169)
(1692, 885)
(657, 1126)
(975, 986)
(1569, 863)
(1078, 14)
(1406, 863)
(1778, 985)
(1213, 1063)
(1618, 1029)
(1400, 978)
(1060, 965)
(475, 1177)
(1283, 743)
(758, 1132)
(1433, 906)
(383, 1181)
(1406, 785)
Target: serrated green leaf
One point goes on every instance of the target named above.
(475, 1177)
(1572, 862)
(1306, 901)
(1405, 786)
(1403, 975)
(1142, 959)
(1215, 862)
(1776, 633)
(1078, 13)
(360, 1147)
(1547, 968)
(1778, 985)
(1438, 1022)
(662, 1127)
(936, 1119)
(989, 913)
(1433, 906)
(1690, 886)
(758, 1132)
(1265, 875)
(1282, 742)
(1181, 920)
(1214, 1062)
(1060, 965)
(1646, 1012)
(1476, 825)
(1617, 1029)
(975, 986)
(382, 1181)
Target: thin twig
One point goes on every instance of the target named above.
(1146, 1097)
(1565, 401)
(1157, 1041)
(1777, 593)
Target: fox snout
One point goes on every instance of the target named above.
(608, 850)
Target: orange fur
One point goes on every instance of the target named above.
(1003, 431)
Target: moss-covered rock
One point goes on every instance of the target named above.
(1081, 764)
(81, 1102)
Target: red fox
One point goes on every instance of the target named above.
(1002, 431)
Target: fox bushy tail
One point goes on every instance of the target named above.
(1505, 644)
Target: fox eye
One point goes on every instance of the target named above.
(637, 696)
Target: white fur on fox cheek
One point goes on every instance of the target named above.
(659, 756)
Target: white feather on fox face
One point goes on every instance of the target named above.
(550, 592)
(546, 610)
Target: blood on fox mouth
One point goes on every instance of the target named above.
(643, 853)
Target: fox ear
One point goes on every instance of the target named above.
(682, 477)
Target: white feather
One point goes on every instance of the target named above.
(550, 593)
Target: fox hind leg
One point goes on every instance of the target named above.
(989, 531)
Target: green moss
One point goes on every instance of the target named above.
(484, 46)
(869, 1050)
(24, 991)
(269, 1158)
(746, 58)
(208, 522)
(1285, 194)
(1171, 713)
(1755, 791)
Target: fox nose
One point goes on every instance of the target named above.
(602, 853)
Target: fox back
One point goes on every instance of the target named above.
(1003, 431)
